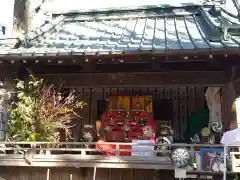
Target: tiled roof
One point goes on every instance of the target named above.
(175, 30)
(6, 42)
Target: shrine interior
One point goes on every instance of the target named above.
(167, 106)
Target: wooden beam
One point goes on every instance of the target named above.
(142, 79)
(127, 58)
(154, 66)
(67, 160)
(78, 164)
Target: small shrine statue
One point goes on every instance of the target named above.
(205, 132)
(88, 135)
(165, 137)
(148, 132)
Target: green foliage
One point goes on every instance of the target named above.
(24, 112)
(41, 111)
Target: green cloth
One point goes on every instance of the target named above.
(197, 123)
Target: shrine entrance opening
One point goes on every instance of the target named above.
(171, 106)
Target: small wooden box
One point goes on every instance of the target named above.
(235, 158)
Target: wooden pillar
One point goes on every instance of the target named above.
(228, 99)
(233, 95)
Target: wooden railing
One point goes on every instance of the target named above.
(75, 154)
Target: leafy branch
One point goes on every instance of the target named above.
(41, 111)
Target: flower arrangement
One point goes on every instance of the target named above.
(41, 111)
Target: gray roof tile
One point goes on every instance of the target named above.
(191, 31)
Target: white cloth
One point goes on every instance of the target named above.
(231, 137)
(149, 149)
(213, 99)
(237, 103)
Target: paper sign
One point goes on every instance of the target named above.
(180, 173)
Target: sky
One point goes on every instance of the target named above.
(66, 5)
(6, 15)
